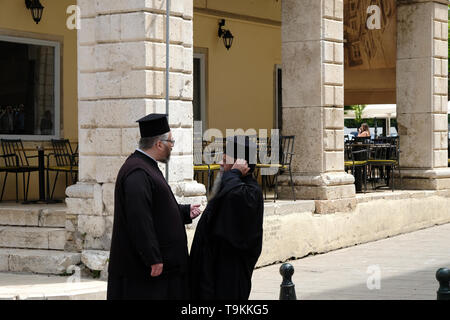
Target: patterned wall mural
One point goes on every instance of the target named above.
(370, 34)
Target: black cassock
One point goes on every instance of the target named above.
(228, 240)
(148, 229)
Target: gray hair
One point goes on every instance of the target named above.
(149, 142)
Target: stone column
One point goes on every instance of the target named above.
(422, 69)
(121, 78)
(313, 101)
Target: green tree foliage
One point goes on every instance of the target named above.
(358, 110)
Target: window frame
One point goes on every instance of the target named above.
(57, 88)
(202, 58)
(278, 109)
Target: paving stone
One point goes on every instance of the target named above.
(39, 287)
(405, 274)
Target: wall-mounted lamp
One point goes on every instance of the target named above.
(36, 9)
(225, 34)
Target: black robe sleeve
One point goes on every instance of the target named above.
(185, 210)
(138, 201)
(238, 221)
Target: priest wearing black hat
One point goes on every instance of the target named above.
(149, 254)
(228, 237)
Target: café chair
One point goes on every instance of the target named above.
(16, 161)
(357, 160)
(383, 163)
(65, 161)
(201, 168)
(286, 153)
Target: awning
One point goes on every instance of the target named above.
(378, 111)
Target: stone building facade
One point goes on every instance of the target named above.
(121, 65)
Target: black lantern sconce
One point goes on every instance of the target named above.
(36, 9)
(225, 35)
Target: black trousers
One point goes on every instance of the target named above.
(169, 287)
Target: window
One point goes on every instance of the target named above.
(199, 99)
(29, 88)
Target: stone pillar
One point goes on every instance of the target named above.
(121, 78)
(313, 101)
(422, 68)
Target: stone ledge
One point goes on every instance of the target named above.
(425, 184)
(400, 195)
(425, 173)
(299, 234)
(333, 206)
(280, 208)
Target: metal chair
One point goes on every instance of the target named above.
(16, 161)
(201, 168)
(384, 162)
(357, 159)
(286, 154)
(264, 148)
(66, 161)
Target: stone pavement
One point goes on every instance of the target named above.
(15, 286)
(406, 264)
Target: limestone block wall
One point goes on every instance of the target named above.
(422, 69)
(295, 231)
(121, 78)
(313, 74)
(313, 97)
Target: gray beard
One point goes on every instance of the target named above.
(216, 186)
(166, 159)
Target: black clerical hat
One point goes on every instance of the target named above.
(242, 147)
(154, 124)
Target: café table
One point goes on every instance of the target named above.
(43, 198)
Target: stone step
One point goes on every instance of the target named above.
(32, 237)
(33, 216)
(38, 261)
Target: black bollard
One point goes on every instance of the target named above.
(287, 287)
(443, 276)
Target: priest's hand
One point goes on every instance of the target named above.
(242, 166)
(156, 269)
(195, 211)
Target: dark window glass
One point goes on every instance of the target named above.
(197, 102)
(27, 89)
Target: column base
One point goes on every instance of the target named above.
(426, 179)
(326, 186)
(190, 192)
(333, 192)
